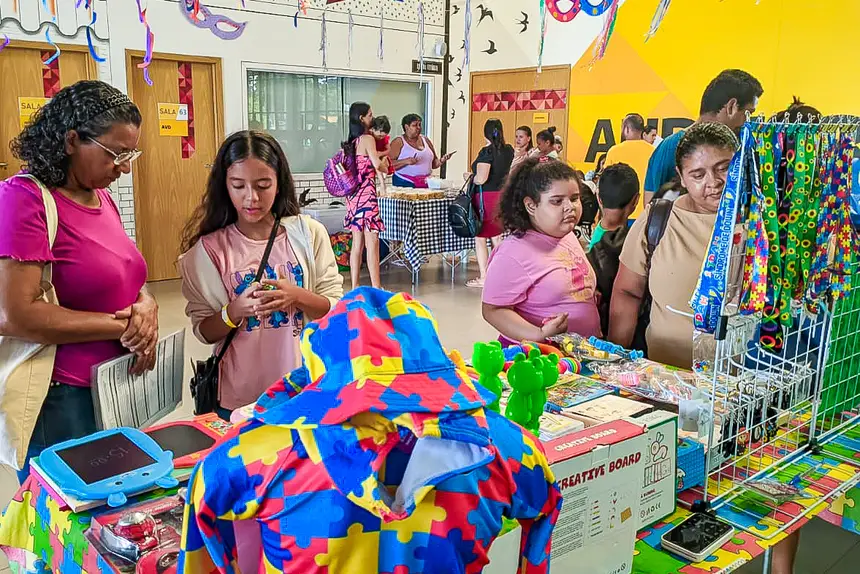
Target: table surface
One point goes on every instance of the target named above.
(422, 226)
(840, 510)
(33, 522)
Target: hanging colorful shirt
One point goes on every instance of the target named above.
(377, 456)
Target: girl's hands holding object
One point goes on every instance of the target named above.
(554, 326)
(280, 295)
(243, 305)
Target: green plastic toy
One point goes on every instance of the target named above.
(530, 377)
(489, 360)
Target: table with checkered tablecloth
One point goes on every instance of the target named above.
(422, 228)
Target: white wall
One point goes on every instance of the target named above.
(565, 43)
(270, 40)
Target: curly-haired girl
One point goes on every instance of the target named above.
(75, 147)
(539, 282)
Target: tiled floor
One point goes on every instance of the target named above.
(824, 549)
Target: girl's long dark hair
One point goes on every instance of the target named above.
(356, 129)
(494, 131)
(528, 131)
(216, 210)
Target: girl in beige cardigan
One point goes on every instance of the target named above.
(249, 189)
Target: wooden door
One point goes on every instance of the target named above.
(24, 75)
(170, 177)
(514, 97)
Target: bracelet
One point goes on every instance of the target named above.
(226, 318)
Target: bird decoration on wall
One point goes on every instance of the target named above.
(449, 82)
(455, 10)
(462, 97)
(450, 58)
(492, 49)
(453, 114)
(524, 22)
(459, 74)
(485, 13)
(463, 44)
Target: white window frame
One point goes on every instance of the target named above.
(430, 83)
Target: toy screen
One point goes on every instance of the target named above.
(181, 439)
(697, 532)
(104, 458)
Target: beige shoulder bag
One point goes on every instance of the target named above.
(26, 367)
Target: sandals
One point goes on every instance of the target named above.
(476, 283)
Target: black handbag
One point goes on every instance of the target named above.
(204, 382)
(464, 219)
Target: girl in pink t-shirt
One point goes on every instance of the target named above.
(539, 282)
(251, 187)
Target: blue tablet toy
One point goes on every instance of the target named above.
(110, 464)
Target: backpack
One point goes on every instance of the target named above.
(658, 219)
(464, 219)
(339, 176)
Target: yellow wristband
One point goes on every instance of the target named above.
(226, 318)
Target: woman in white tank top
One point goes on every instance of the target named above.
(413, 155)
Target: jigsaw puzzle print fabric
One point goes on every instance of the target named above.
(377, 456)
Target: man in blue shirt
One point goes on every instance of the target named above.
(726, 100)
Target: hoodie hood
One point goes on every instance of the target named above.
(376, 381)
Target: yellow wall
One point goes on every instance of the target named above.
(794, 47)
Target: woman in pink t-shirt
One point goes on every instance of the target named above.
(250, 188)
(76, 146)
(539, 282)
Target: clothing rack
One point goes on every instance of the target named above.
(778, 410)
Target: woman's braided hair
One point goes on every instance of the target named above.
(705, 134)
(530, 179)
(89, 107)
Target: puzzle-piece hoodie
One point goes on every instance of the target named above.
(376, 456)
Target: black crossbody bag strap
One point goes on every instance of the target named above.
(263, 262)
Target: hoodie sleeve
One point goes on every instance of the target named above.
(223, 489)
(536, 504)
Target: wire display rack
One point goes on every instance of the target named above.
(780, 415)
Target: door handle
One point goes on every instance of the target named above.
(207, 165)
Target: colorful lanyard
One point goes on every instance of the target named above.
(707, 300)
(769, 149)
(754, 295)
(830, 271)
(807, 235)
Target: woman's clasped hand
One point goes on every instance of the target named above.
(141, 335)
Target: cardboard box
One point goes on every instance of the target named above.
(659, 466)
(599, 471)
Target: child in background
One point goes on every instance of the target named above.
(380, 129)
(618, 194)
(546, 144)
(539, 282)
